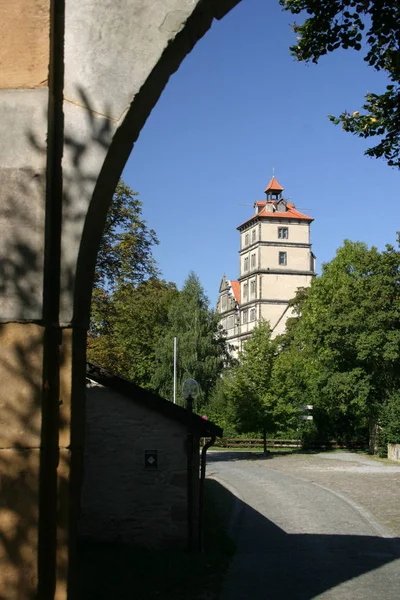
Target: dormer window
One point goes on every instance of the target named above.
(281, 206)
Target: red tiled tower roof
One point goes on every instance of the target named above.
(290, 213)
(274, 185)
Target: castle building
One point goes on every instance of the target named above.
(275, 260)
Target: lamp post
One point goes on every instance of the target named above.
(190, 388)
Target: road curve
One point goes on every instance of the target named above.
(297, 540)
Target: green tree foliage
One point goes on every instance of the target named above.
(390, 422)
(129, 302)
(349, 335)
(124, 257)
(201, 344)
(125, 253)
(340, 353)
(218, 409)
(361, 25)
(252, 406)
(142, 313)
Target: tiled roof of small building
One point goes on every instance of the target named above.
(150, 400)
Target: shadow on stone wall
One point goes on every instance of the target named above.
(37, 400)
(20, 453)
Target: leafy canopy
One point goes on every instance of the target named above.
(129, 302)
(201, 345)
(366, 25)
(125, 252)
(252, 406)
(349, 335)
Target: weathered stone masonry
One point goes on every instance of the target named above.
(77, 83)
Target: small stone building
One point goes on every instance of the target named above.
(136, 466)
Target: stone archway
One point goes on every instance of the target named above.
(70, 113)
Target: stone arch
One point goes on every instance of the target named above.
(70, 112)
(185, 36)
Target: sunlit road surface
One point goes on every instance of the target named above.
(297, 540)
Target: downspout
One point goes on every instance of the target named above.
(202, 491)
(190, 461)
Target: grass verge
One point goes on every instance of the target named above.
(117, 572)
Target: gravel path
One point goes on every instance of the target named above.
(312, 526)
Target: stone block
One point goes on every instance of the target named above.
(21, 355)
(24, 43)
(23, 130)
(19, 491)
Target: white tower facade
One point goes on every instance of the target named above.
(275, 260)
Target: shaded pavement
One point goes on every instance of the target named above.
(299, 540)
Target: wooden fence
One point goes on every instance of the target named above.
(280, 443)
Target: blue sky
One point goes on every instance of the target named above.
(238, 106)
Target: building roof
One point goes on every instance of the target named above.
(235, 285)
(273, 185)
(152, 401)
(290, 213)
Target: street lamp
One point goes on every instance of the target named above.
(190, 389)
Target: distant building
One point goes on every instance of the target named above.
(275, 260)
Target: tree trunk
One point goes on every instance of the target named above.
(373, 436)
(265, 440)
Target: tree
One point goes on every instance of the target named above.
(202, 351)
(253, 406)
(358, 24)
(218, 408)
(124, 256)
(349, 330)
(141, 313)
(125, 253)
(124, 261)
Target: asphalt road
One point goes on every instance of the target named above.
(299, 540)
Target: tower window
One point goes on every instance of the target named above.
(246, 263)
(245, 316)
(253, 314)
(252, 288)
(245, 291)
(253, 235)
(283, 233)
(246, 239)
(282, 258)
(253, 260)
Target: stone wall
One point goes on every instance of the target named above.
(77, 82)
(122, 501)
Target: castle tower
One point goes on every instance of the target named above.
(275, 260)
